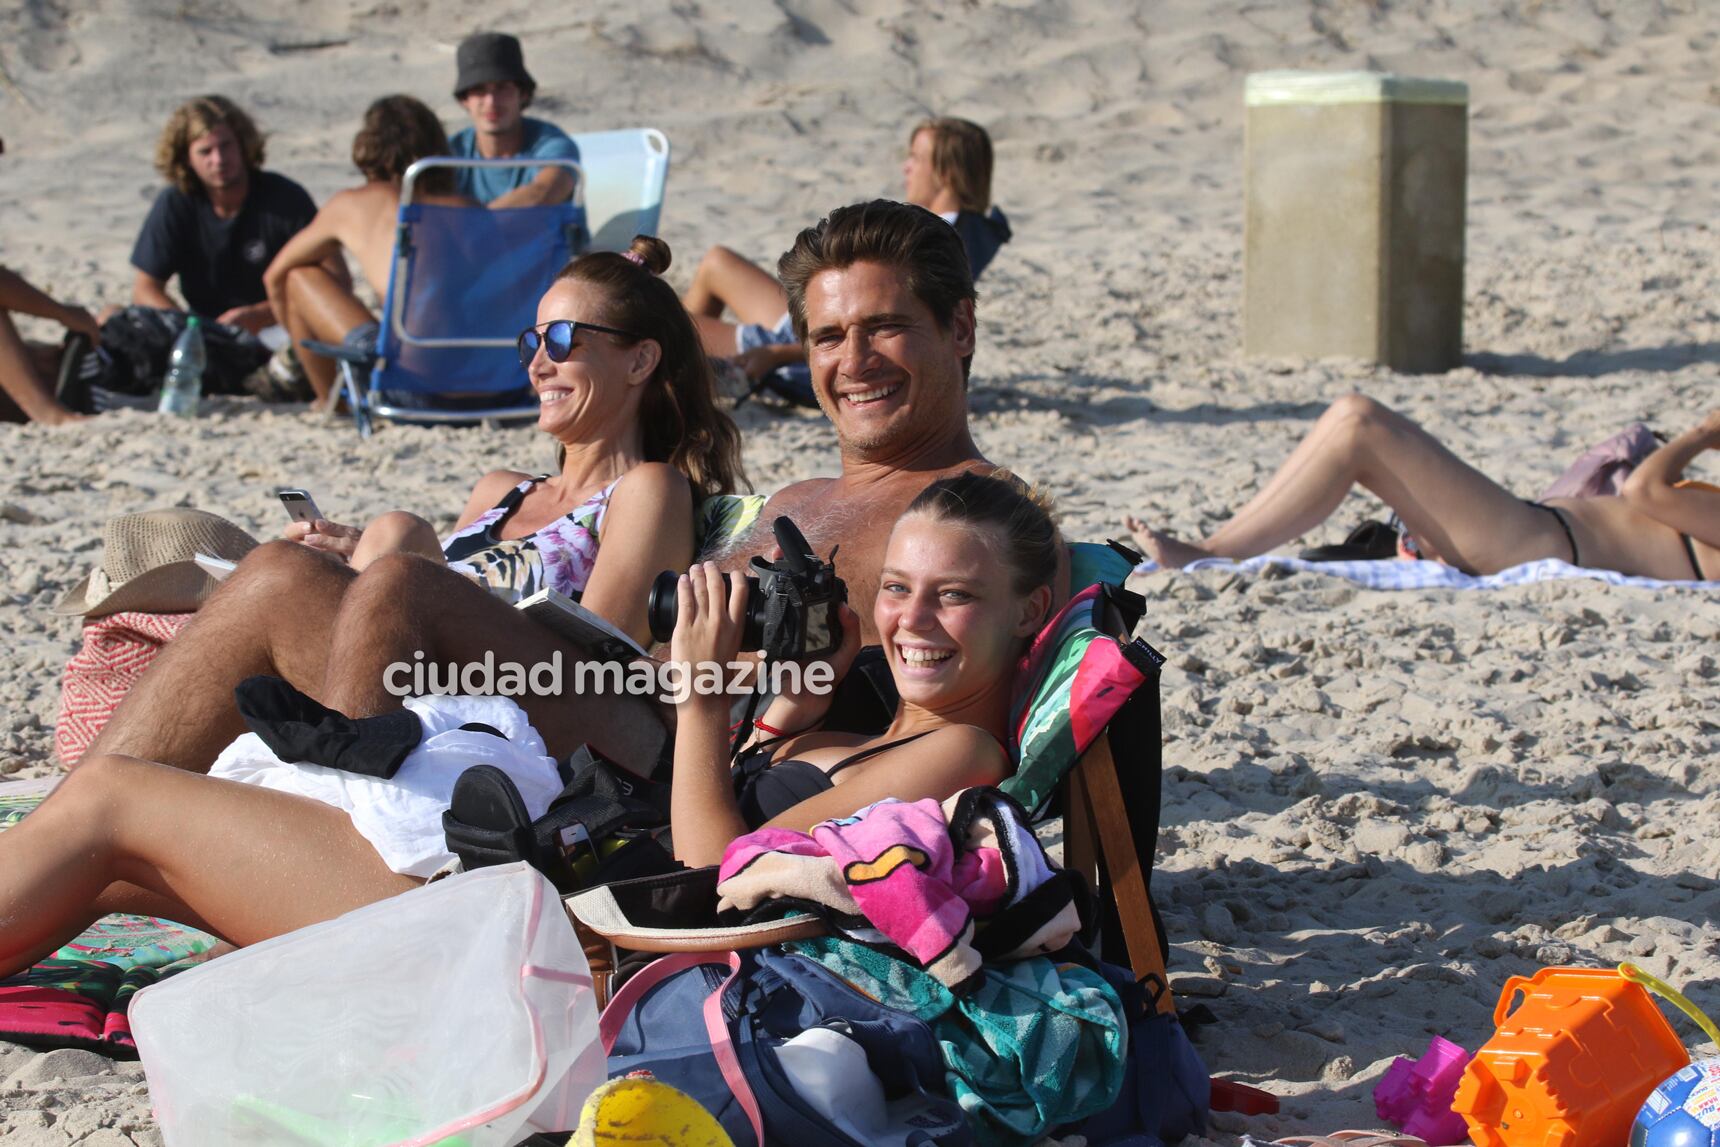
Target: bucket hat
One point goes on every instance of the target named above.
(490, 58)
(148, 564)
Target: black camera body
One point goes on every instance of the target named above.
(793, 605)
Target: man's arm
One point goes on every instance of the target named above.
(149, 291)
(18, 295)
(551, 185)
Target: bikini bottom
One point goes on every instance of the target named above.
(1565, 525)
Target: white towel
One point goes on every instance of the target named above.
(402, 816)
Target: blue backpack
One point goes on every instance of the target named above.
(712, 1023)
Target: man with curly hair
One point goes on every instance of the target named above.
(311, 302)
(220, 219)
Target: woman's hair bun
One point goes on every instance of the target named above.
(653, 253)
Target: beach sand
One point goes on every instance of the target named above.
(1377, 806)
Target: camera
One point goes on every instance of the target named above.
(792, 604)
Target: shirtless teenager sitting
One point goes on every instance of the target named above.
(313, 304)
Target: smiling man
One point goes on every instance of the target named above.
(220, 220)
(495, 89)
(880, 296)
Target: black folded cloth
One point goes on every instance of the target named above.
(300, 729)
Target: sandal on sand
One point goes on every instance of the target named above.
(1377, 1138)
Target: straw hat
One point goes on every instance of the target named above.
(147, 563)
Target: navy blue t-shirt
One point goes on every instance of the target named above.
(220, 262)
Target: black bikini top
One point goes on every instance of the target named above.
(765, 791)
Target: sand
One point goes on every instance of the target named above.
(1377, 806)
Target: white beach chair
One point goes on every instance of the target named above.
(625, 172)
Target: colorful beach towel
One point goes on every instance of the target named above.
(1036, 1045)
(948, 885)
(76, 1003)
(1435, 575)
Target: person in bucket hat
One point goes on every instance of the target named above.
(148, 563)
(495, 89)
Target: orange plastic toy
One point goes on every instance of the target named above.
(1571, 1065)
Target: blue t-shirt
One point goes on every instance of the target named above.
(541, 141)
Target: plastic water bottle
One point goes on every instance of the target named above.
(183, 387)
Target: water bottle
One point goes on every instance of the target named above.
(183, 386)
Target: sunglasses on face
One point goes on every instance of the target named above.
(557, 337)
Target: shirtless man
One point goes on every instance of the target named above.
(881, 299)
(313, 304)
(882, 294)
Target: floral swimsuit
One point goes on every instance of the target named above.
(559, 556)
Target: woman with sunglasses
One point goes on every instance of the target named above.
(628, 397)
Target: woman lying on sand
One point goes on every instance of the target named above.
(1658, 528)
(966, 584)
(627, 394)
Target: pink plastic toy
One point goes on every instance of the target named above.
(1416, 1096)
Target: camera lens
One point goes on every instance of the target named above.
(660, 607)
(663, 605)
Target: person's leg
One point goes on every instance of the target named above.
(403, 605)
(724, 278)
(21, 379)
(244, 862)
(716, 337)
(319, 307)
(1466, 517)
(396, 532)
(273, 615)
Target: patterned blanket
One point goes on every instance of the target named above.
(78, 996)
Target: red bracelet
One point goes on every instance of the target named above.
(768, 730)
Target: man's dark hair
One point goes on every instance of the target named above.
(398, 131)
(911, 239)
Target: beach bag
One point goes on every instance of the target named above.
(137, 341)
(116, 650)
(733, 1029)
(1037, 1044)
(462, 1008)
(1603, 468)
(1166, 1092)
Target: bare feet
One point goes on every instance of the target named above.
(1161, 547)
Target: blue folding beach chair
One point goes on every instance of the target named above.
(464, 282)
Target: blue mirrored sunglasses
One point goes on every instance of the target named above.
(557, 337)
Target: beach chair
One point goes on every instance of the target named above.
(1085, 736)
(625, 173)
(464, 282)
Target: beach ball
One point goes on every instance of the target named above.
(1684, 1111)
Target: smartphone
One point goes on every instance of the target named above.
(300, 506)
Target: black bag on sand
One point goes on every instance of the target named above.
(138, 341)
